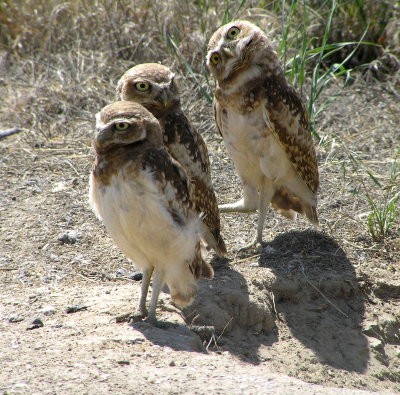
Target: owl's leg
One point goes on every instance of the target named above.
(267, 191)
(158, 282)
(141, 312)
(247, 204)
(142, 309)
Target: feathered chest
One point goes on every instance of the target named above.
(242, 125)
(126, 191)
(243, 100)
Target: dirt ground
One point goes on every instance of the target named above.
(318, 310)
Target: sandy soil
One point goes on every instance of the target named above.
(318, 310)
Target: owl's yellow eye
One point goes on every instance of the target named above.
(121, 126)
(233, 32)
(142, 86)
(215, 58)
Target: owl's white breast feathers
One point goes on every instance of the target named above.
(242, 79)
(136, 216)
(256, 152)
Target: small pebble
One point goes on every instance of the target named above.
(36, 323)
(120, 273)
(75, 309)
(136, 276)
(123, 363)
(15, 318)
(172, 363)
(48, 310)
(69, 237)
(54, 258)
(9, 132)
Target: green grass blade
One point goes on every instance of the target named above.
(189, 69)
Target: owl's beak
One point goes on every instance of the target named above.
(227, 52)
(102, 136)
(163, 98)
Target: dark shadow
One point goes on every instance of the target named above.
(178, 337)
(303, 279)
(318, 297)
(223, 316)
(242, 322)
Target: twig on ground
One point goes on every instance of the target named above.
(322, 294)
(246, 259)
(86, 278)
(274, 307)
(6, 133)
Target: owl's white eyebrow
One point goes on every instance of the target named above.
(101, 125)
(118, 120)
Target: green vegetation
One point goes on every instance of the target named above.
(385, 211)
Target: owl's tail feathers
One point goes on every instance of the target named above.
(289, 206)
(207, 271)
(199, 267)
(182, 282)
(286, 205)
(311, 214)
(222, 251)
(214, 240)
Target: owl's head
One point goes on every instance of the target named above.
(152, 85)
(125, 123)
(239, 47)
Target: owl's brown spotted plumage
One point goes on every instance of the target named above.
(144, 198)
(154, 86)
(264, 124)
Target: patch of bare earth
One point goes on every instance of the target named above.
(321, 305)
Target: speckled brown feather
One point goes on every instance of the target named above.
(187, 146)
(264, 85)
(298, 145)
(181, 139)
(132, 160)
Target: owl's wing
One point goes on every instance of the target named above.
(172, 180)
(206, 202)
(187, 146)
(286, 116)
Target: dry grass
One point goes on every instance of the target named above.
(61, 60)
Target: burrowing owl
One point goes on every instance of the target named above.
(264, 125)
(154, 86)
(144, 198)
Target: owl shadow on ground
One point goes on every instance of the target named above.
(223, 312)
(167, 334)
(303, 286)
(238, 317)
(317, 297)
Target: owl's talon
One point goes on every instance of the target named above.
(152, 321)
(256, 244)
(136, 317)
